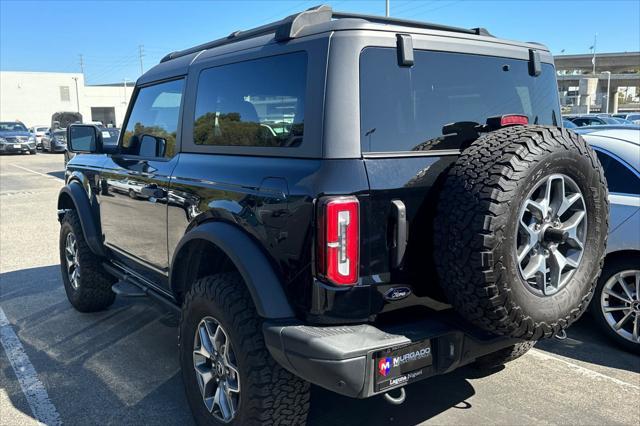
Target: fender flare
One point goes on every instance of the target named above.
(78, 196)
(262, 282)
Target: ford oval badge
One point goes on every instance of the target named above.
(397, 293)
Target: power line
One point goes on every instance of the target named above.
(141, 53)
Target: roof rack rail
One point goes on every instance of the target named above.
(289, 27)
(284, 29)
(410, 23)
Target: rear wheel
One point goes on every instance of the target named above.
(616, 304)
(87, 285)
(521, 229)
(229, 375)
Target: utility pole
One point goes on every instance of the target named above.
(387, 8)
(593, 60)
(141, 54)
(608, 88)
(77, 97)
(82, 64)
(125, 92)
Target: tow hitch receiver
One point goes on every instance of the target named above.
(400, 366)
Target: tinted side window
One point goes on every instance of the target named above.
(252, 103)
(152, 126)
(405, 108)
(619, 178)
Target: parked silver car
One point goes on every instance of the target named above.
(616, 303)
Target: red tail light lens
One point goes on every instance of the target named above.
(512, 120)
(338, 253)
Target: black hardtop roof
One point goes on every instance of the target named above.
(315, 20)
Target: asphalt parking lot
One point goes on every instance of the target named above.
(120, 366)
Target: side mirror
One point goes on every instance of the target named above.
(152, 146)
(84, 138)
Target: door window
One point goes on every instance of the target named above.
(152, 127)
(620, 178)
(252, 103)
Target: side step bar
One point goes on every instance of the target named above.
(127, 289)
(131, 286)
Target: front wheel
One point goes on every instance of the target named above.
(86, 283)
(616, 303)
(228, 373)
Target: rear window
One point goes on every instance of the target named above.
(405, 108)
(253, 103)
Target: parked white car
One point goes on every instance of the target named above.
(39, 132)
(616, 302)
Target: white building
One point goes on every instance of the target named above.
(32, 97)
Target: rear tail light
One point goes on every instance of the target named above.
(338, 253)
(511, 120)
(507, 120)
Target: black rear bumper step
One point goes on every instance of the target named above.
(341, 358)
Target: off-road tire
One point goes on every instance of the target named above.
(476, 227)
(269, 394)
(612, 267)
(499, 358)
(94, 290)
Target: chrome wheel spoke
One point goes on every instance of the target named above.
(616, 295)
(537, 268)
(636, 332)
(615, 309)
(567, 202)
(223, 402)
(537, 209)
(624, 319)
(623, 284)
(571, 226)
(219, 340)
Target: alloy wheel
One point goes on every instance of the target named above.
(552, 230)
(620, 304)
(216, 370)
(73, 263)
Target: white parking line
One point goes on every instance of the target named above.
(37, 397)
(38, 173)
(582, 370)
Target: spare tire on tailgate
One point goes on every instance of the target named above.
(521, 229)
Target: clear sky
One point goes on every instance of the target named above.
(50, 35)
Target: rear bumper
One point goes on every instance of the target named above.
(342, 358)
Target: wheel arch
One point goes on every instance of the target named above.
(226, 248)
(73, 196)
(621, 254)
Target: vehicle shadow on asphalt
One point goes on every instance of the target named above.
(425, 400)
(586, 342)
(58, 174)
(118, 366)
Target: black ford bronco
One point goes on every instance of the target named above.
(345, 200)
